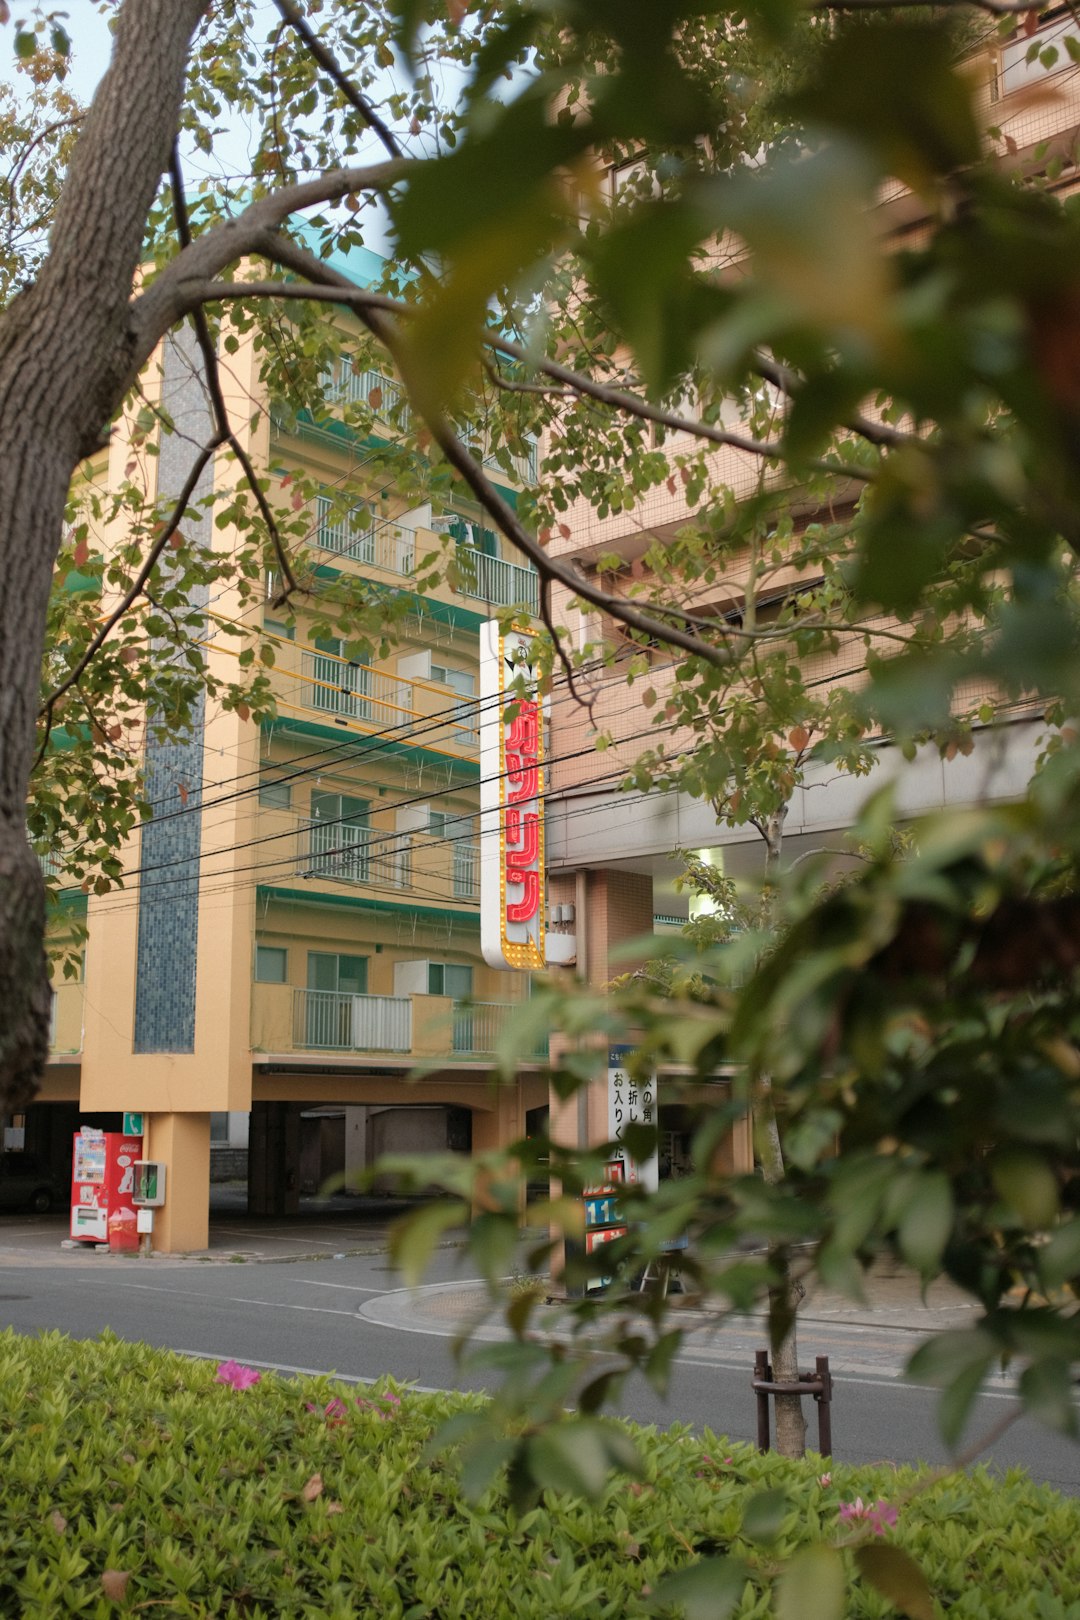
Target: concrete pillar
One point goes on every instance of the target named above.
(182, 1143)
(274, 1159)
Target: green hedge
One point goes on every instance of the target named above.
(132, 1482)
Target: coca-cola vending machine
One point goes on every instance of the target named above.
(102, 1184)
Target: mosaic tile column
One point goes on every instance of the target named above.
(168, 939)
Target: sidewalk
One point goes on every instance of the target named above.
(893, 1301)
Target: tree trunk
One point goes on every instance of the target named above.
(67, 357)
(786, 1294)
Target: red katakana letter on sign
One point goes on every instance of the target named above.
(529, 904)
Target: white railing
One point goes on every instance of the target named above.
(337, 1021)
(334, 686)
(466, 871)
(524, 466)
(371, 388)
(341, 851)
(479, 1024)
(363, 537)
(503, 584)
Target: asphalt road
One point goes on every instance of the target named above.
(350, 1316)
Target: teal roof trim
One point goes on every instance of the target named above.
(469, 769)
(446, 612)
(358, 903)
(333, 428)
(69, 900)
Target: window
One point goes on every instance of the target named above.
(335, 973)
(463, 683)
(452, 979)
(274, 627)
(271, 964)
(274, 793)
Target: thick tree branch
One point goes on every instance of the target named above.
(329, 64)
(548, 568)
(342, 291)
(168, 297)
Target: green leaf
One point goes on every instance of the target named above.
(812, 1586)
(706, 1591)
(572, 1457)
(763, 1515)
(927, 1222)
(894, 88)
(413, 1239)
(898, 1578)
(25, 45)
(1046, 1389)
(1060, 1259)
(1027, 1184)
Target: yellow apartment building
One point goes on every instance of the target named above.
(299, 926)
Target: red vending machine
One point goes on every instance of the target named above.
(102, 1183)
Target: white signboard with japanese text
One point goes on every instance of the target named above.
(511, 801)
(632, 1102)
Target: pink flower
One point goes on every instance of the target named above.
(824, 1479)
(879, 1517)
(237, 1376)
(333, 1411)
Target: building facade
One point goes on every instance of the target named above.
(299, 926)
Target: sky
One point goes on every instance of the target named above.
(87, 23)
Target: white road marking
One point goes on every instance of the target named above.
(235, 1299)
(350, 1288)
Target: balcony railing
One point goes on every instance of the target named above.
(502, 584)
(525, 466)
(384, 396)
(337, 1021)
(479, 1024)
(334, 686)
(466, 871)
(340, 851)
(363, 537)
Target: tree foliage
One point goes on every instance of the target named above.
(908, 412)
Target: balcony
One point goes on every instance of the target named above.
(333, 685)
(478, 1027)
(344, 386)
(335, 1021)
(342, 852)
(362, 536)
(499, 583)
(285, 1018)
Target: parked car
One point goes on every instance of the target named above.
(25, 1183)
